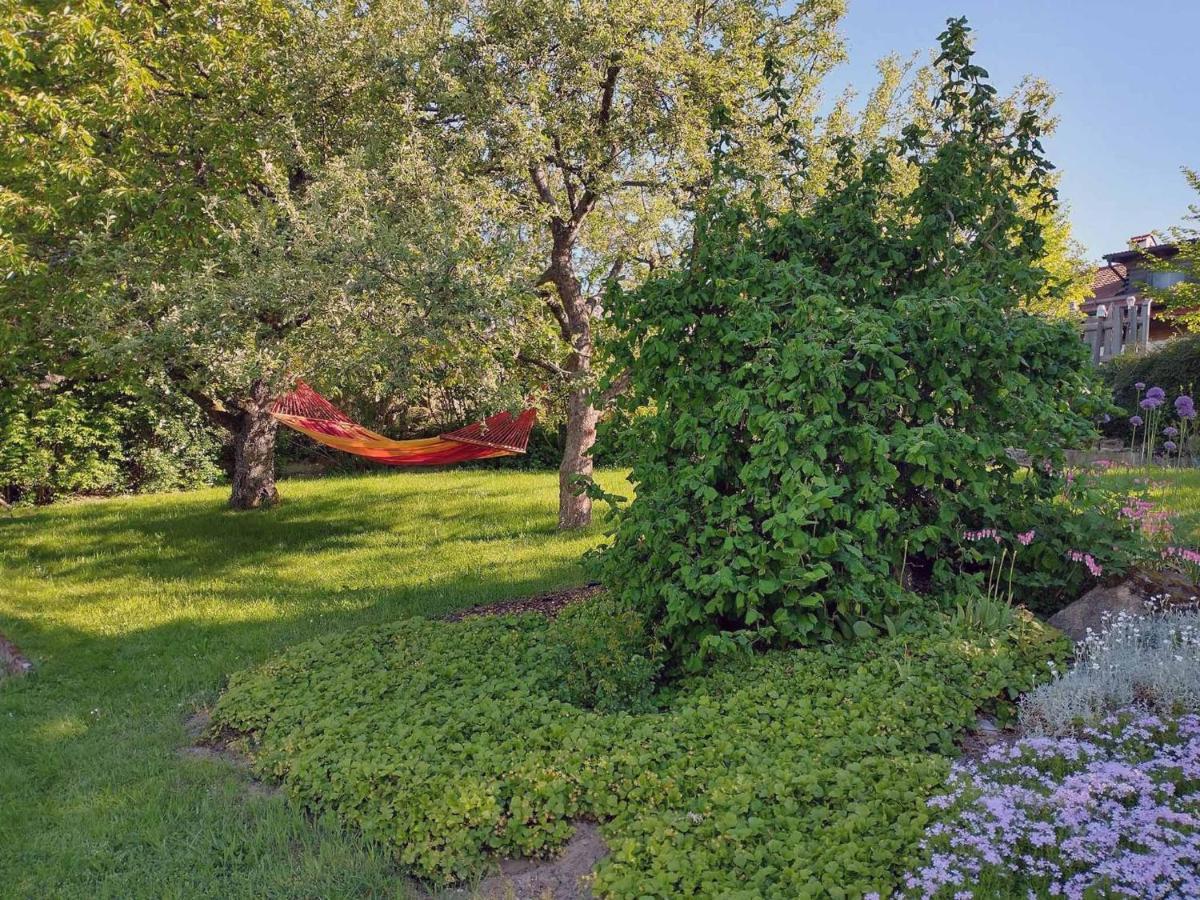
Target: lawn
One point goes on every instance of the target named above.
(1175, 489)
(135, 610)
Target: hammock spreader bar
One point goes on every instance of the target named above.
(307, 412)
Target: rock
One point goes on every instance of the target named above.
(1088, 611)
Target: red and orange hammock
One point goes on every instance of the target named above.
(309, 413)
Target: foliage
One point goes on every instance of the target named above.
(1183, 298)
(590, 157)
(325, 284)
(1111, 813)
(606, 659)
(832, 393)
(789, 774)
(1150, 661)
(94, 438)
(981, 613)
(1175, 367)
(126, 123)
(135, 610)
(1086, 518)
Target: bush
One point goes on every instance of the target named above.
(607, 659)
(788, 774)
(95, 437)
(52, 443)
(832, 393)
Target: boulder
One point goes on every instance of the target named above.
(1089, 610)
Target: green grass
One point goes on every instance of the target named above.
(1177, 490)
(135, 610)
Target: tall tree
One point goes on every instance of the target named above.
(124, 131)
(202, 191)
(583, 128)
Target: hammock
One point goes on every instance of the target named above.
(309, 413)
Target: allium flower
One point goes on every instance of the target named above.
(1135, 421)
(1170, 446)
(1026, 538)
(1185, 407)
(1150, 403)
(1171, 431)
(1156, 393)
(1141, 385)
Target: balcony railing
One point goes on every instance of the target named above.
(1117, 326)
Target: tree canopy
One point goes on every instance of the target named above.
(401, 201)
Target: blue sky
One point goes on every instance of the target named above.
(1128, 83)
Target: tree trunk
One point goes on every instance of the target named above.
(254, 453)
(575, 507)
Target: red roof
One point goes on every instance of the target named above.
(1106, 284)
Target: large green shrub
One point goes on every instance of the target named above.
(832, 393)
(788, 774)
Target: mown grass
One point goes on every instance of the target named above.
(135, 610)
(1175, 489)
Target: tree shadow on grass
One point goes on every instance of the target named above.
(313, 544)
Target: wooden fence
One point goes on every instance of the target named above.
(1117, 327)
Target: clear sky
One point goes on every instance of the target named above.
(1128, 83)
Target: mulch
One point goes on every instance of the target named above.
(12, 661)
(548, 605)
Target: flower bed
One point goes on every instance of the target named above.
(1103, 800)
(1114, 811)
(787, 774)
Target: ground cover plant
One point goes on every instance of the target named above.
(789, 774)
(1101, 795)
(135, 610)
(1151, 661)
(1112, 812)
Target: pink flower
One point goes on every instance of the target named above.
(1088, 560)
(1026, 538)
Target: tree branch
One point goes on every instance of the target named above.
(619, 385)
(216, 412)
(538, 176)
(555, 370)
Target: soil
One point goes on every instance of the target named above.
(222, 747)
(985, 735)
(566, 877)
(12, 661)
(548, 605)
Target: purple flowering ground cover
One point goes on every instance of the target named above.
(1111, 812)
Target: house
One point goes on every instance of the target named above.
(1119, 314)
